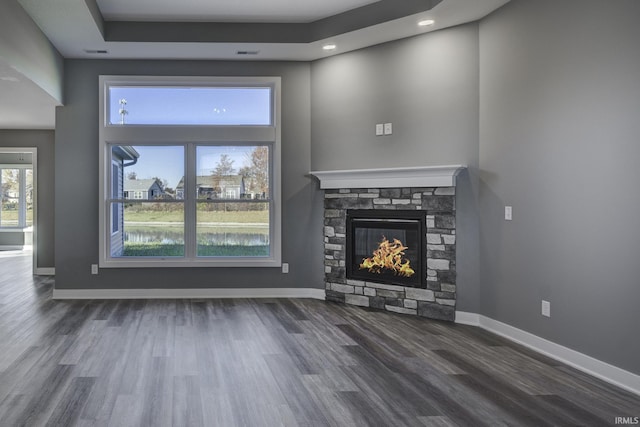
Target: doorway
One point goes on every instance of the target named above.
(18, 201)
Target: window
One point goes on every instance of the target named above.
(16, 196)
(189, 105)
(194, 176)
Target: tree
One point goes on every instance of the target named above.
(257, 172)
(10, 181)
(224, 167)
(161, 182)
(132, 175)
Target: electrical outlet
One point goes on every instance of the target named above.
(388, 128)
(379, 129)
(546, 308)
(508, 213)
(94, 268)
(285, 267)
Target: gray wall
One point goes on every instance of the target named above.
(76, 204)
(12, 238)
(43, 140)
(560, 98)
(427, 86)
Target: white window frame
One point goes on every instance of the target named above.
(190, 136)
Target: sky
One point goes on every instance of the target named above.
(191, 105)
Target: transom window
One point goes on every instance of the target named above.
(195, 172)
(195, 105)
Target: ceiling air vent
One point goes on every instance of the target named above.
(98, 51)
(247, 52)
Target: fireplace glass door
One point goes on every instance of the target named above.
(386, 246)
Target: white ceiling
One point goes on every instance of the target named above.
(77, 27)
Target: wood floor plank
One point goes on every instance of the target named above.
(289, 379)
(330, 403)
(270, 362)
(365, 412)
(388, 390)
(42, 399)
(571, 413)
(69, 408)
(437, 422)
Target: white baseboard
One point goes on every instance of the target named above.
(45, 271)
(465, 318)
(606, 372)
(188, 293)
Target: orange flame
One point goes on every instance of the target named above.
(388, 256)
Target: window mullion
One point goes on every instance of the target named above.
(190, 201)
(22, 198)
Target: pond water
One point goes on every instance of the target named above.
(214, 238)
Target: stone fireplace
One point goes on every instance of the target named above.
(399, 254)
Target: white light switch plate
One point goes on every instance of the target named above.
(285, 267)
(546, 308)
(388, 128)
(508, 213)
(379, 129)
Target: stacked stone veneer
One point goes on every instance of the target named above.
(437, 300)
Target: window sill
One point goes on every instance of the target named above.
(181, 263)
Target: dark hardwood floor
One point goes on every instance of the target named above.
(260, 362)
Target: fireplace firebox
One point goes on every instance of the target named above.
(386, 246)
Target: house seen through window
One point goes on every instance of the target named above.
(192, 176)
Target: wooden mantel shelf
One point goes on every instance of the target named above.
(420, 176)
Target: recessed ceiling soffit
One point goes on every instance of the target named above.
(238, 32)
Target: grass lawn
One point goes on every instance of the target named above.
(203, 216)
(10, 217)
